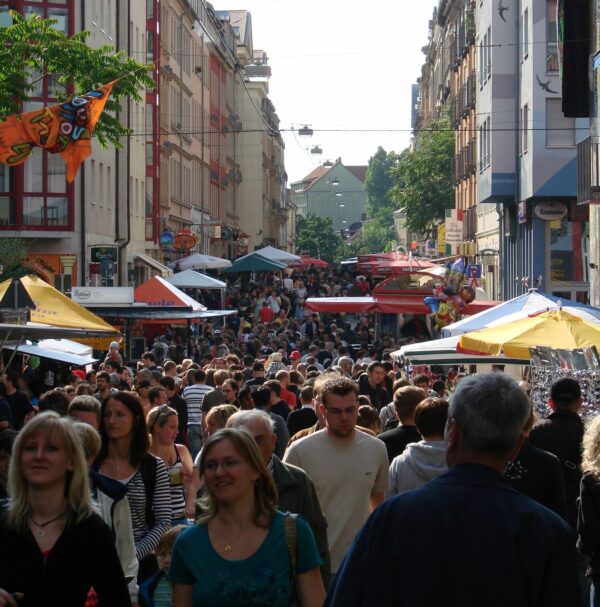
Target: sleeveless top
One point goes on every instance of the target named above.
(176, 486)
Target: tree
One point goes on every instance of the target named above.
(374, 238)
(378, 183)
(32, 49)
(315, 237)
(423, 177)
(12, 254)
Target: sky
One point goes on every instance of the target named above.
(344, 65)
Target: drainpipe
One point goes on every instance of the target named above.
(518, 137)
(82, 244)
(123, 263)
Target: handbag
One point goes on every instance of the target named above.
(291, 540)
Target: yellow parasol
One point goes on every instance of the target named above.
(553, 329)
(55, 309)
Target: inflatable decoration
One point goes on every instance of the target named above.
(450, 298)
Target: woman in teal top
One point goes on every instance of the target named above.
(237, 553)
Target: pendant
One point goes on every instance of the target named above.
(41, 532)
(227, 547)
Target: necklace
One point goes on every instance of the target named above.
(42, 530)
(228, 544)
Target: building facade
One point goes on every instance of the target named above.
(527, 153)
(333, 191)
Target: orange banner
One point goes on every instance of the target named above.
(64, 129)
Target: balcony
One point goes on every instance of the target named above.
(588, 171)
(465, 163)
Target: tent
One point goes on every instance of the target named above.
(274, 254)
(197, 261)
(55, 309)
(158, 292)
(531, 302)
(195, 280)
(254, 263)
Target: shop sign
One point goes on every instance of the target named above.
(551, 210)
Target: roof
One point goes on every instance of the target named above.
(360, 172)
(317, 173)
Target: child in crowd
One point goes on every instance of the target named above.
(156, 591)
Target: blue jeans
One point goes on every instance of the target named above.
(194, 434)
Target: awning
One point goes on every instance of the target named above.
(386, 304)
(38, 331)
(42, 351)
(159, 292)
(195, 280)
(154, 264)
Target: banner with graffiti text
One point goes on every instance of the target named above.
(64, 129)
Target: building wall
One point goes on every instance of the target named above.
(319, 197)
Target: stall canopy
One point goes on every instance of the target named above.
(55, 309)
(198, 261)
(307, 261)
(158, 292)
(254, 263)
(532, 302)
(63, 350)
(443, 352)
(190, 279)
(274, 254)
(554, 329)
(401, 304)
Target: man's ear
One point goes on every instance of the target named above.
(551, 404)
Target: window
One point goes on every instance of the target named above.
(488, 53)
(524, 128)
(551, 37)
(525, 36)
(560, 131)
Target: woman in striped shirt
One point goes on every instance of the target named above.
(163, 426)
(124, 457)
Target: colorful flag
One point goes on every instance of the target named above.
(64, 129)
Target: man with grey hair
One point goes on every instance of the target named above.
(295, 491)
(467, 537)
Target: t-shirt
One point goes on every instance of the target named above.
(261, 580)
(194, 397)
(20, 407)
(344, 486)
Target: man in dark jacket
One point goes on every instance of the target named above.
(561, 434)
(371, 384)
(296, 492)
(406, 400)
(467, 537)
(538, 474)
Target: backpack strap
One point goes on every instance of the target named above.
(291, 538)
(148, 471)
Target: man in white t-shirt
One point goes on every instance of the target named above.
(348, 468)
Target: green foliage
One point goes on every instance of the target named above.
(315, 237)
(32, 49)
(378, 183)
(374, 238)
(423, 177)
(12, 254)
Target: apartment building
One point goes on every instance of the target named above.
(527, 152)
(99, 218)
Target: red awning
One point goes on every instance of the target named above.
(307, 261)
(389, 305)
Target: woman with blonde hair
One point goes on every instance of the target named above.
(238, 552)
(55, 547)
(163, 427)
(215, 419)
(588, 520)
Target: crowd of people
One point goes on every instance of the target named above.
(292, 461)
